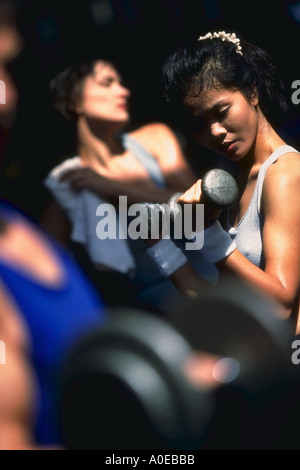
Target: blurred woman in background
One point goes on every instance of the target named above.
(146, 164)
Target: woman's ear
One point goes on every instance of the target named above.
(254, 97)
(76, 107)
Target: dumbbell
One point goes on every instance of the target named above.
(219, 192)
(125, 386)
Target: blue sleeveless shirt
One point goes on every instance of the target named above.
(55, 317)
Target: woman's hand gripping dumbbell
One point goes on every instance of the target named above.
(216, 191)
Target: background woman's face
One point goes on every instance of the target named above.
(223, 121)
(103, 96)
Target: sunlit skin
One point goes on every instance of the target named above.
(16, 392)
(11, 45)
(224, 121)
(11, 42)
(223, 117)
(109, 170)
(205, 370)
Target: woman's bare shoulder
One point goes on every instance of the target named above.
(287, 166)
(283, 178)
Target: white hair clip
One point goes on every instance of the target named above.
(225, 37)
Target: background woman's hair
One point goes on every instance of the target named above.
(213, 63)
(66, 87)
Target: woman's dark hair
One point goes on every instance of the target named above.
(213, 63)
(66, 87)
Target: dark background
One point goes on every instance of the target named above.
(138, 35)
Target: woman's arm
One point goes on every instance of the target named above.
(281, 240)
(165, 146)
(109, 188)
(17, 382)
(162, 143)
(280, 237)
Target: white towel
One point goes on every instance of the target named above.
(81, 210)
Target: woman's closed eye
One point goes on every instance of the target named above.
(223, 112)
(105, 82)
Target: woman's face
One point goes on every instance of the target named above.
(103, 96)
(224, 121)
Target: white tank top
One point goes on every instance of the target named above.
(248, 232)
